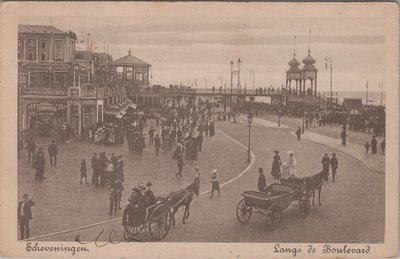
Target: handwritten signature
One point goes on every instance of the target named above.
(113, 239)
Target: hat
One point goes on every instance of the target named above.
(214, 171)
(260, 170)
(326, 154)
(197, 168)
(290, 152)
(136, 189)
(148, 184)
(276, 151)
(333, 154)
(141, 186)
(25, 195)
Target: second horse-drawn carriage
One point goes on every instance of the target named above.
(273, 201)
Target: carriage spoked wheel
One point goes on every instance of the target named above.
(160, 222)
(273, 216)
(132, 227)
(304, 207)
(243, 212)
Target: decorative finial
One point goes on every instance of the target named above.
(129, 52)
(309, 41)
(294, 47)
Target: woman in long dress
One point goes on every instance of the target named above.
(276, 167)
(292, 164)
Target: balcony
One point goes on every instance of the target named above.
(42, 91)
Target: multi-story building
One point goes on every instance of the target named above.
(54, 88)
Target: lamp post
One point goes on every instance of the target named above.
(326, 67)
(249, 120)
(239, 62)
(279, 118)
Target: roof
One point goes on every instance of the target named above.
(45, 29)
(39, 29)
(309, 60)
(353, 103)
(129, 60)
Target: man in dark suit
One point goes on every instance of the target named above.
(325, 165)
(24, 215)
(53, 152)
(262, 183)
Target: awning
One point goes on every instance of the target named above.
(132, 105)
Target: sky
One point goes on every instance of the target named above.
(199, 47)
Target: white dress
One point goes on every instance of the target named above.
(292, 166)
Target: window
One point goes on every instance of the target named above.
(31, 56)
(43, 44)
(31, 43)
(59, 56)
(19, 44)
(19, 55)
(43, 57)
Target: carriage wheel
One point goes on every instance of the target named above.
(274, 216)
(304, 207)
(132, 229)
(160, 222)
(243, 212)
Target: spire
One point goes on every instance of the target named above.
(309, 40)
(294, 46)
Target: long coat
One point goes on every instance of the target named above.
(262, 183)
(27, 210)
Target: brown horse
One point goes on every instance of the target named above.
(314, 183)
(181, 198)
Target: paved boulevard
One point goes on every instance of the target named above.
(352, 208)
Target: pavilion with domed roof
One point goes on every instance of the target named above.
(300, 76)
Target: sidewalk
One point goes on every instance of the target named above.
(373, 162)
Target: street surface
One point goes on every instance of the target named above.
(356, 199)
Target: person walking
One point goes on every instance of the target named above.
(157, 144)
(119, 170)
(298, 133)
(83, 172)
(151, 135)
(180, 163)
(199, 140)
(276, 166)
(214, 183)
(39, 164)
(325, 166)
(53, 152)
(25, 215)
(343, 135)
(102, 168)
(262, 183)
(383, 146)
(334, 165)
(140, 145)
(197, 176)
(95, 169)
(366, 145)
(374, 145)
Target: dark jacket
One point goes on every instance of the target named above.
(334, 162)
(27, 210)
(325, 162)
(53, 149)
(261, 183)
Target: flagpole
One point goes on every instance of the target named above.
(366, 95)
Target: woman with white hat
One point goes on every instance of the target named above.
(292, 164)
(214, 183)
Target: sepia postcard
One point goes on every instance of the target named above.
(199, 129)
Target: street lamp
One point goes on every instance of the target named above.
(326, 67)
(239, 62)
(279, 118)
(249, 120)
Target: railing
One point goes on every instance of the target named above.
(40, 91)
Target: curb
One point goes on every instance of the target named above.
(352, 156)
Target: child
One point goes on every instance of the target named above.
(214, 183)
(83, 171)
(366, 145)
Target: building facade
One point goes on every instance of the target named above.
(54, 88)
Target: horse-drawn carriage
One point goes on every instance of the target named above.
(272, 202)
(157, 219)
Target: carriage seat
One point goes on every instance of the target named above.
(278, 189)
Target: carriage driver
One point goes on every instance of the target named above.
(149, 198)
